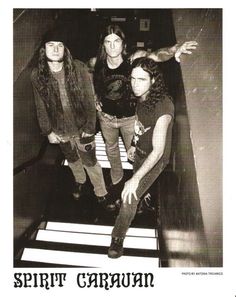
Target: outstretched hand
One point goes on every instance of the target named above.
(185, 48)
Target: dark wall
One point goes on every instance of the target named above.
(202, 128)
(33, 180)
(29, 26)
(32, 191)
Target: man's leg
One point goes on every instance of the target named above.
(78, 171)
(110, 133)
(127, 211)
(76, 167)
(86, 150)
(127, 130)
(96, 177)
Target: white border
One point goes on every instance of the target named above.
(169, 282)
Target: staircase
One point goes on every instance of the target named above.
(86, 245)
(64, 244)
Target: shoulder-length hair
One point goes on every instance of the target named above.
(44, 76)
(110, 29)
(158, 90)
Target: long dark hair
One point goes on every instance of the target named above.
(44, 76)
(110, 29)
(158, 90)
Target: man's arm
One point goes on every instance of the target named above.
(89, 101)
(166, 53)
(158, 143)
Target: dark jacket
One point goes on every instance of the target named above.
(50, 111)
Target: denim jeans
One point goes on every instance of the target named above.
(127, 211)
(80, 154)
(111, 126)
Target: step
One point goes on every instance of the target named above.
(98, 229)
(106, 164)
(88, 260)
(146, 243)
(102, 157)
(103, 153)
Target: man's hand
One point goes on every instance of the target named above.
(185, 48)
(84, 134)
(54, 138)
(131, 153)
(129, 190)
(98, 105)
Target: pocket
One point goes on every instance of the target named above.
(69, 151)
(86, 144)
(86, 150)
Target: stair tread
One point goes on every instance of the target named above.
(94, 239)
(85, 248)
(102, 229)
(87, 259)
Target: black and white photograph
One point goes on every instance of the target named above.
(117, 152)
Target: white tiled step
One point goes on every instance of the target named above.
(87, 259)
(101, 146)
(146, 243)
(102, 157)
(102, 152)
(98, 229)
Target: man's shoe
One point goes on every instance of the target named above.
(77, 191)
(118, 203)
(106, 202)
(144, 205)
(116, 248)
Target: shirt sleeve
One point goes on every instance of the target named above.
(167, 107)
(88, 99)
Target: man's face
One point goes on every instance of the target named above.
(113, 45)
(54, 51)
(140, 82)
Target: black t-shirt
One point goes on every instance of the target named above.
(113, 89)
(145, 123)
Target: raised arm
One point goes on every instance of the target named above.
(158, 143)
(166, 53)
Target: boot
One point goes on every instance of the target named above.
(106, 202)
(144, 205)
(77, 191)
(116, 248)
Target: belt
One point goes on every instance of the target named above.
(108, 115)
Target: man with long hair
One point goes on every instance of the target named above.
(151, 144)
(66, 112)
(116, 107)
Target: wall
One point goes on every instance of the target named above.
(29, 27)
(202, 82)
(33, 185)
